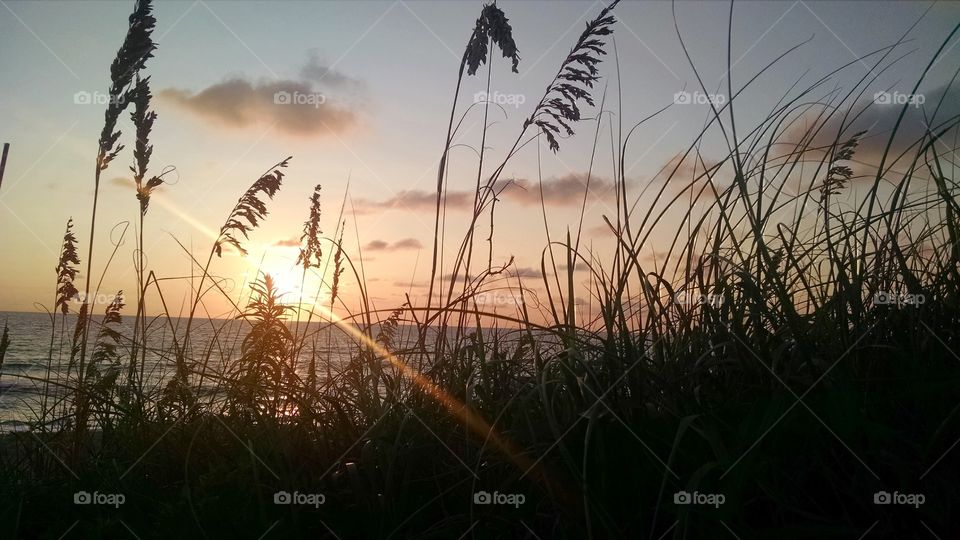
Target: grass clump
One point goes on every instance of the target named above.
(756, 356)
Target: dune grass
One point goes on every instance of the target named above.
(792, 349)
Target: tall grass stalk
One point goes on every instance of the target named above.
(132, 56)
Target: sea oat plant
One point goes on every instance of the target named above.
(137, 48)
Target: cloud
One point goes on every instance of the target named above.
(578, 267)
(563, 191)
(122, 181)
(406, 243)
(415, 200)
(304, 107)
(879, 120)
(316, 72)
(524, 272)
(598, 230)
(413, 285)
(287, 242)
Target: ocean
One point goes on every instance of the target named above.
(28, 359)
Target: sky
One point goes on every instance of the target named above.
(373, 84)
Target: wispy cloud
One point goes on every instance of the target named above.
(404, 244)
(287, 242)
(122, 181)
(415, 200)
(304, 107)
(879, 121)
(316, 71)
(566, 190)
(524, 272)
(557, 191)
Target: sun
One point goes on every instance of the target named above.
(293, 286)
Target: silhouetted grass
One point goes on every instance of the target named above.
(756, 356)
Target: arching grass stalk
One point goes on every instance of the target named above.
(245, 216)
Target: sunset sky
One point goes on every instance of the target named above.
(386, 71)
